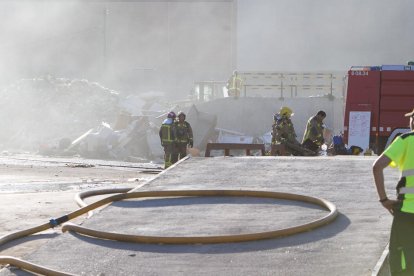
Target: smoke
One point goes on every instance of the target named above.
(168, 45)
(323, 35)
(45, 37)
(131, 47)
(136, 47)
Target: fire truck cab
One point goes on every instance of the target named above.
(385, 93)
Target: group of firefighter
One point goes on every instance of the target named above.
(283, 133)
(284, 140)
(176, 136)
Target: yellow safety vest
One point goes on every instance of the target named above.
(234, 86)
(401, 154)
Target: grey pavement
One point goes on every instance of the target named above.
(350, 245)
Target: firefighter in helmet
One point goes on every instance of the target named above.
(168, 140)
(183, 135)
(234, 85)
(283, 133)
(313, 136)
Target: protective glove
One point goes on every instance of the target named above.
(319, 142)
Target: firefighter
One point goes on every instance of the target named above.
(167, 137)
(313, 136)
(234, 85)
(183, 135)
(399, 154)
(283, 133)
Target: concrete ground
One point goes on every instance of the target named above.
(350, 245)
(34, 189)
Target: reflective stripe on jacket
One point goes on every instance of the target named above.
(167, 134)
(314, 131)
(400, 152)
(283, 130)
(234, 85)
(183, 132)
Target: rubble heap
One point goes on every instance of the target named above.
(40, 112)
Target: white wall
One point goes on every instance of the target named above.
(323, 35)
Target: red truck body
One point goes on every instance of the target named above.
(387, 92)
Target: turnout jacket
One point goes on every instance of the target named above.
(183, 133)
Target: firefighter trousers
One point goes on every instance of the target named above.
(181, 150)
(170, 155)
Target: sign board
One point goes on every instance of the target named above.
(359, 129)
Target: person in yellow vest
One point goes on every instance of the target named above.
(234, 85)
(399, 154)
(168, 141)
(313, 136)
(183, 135)
(283, 133)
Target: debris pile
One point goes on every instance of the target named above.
(38, 113)
(137, 142)
(56, 116)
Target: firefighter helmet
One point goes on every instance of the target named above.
(181, 114)
(286, 111)
(171, 115)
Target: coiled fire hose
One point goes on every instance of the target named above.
(161, 239)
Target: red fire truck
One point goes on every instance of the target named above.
(385, 93)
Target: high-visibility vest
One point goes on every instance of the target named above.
(400, 152)
(234, 85)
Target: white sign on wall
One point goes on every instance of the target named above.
(359, 129)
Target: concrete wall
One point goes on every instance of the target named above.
(254, 116)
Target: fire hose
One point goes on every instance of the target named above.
(123, 194)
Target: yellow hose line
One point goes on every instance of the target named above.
(20, 234)
(123, 194)
(213, 239)
(28, 266)
(82, 195)
(30, 231)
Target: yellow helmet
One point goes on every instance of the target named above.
(286, 111)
